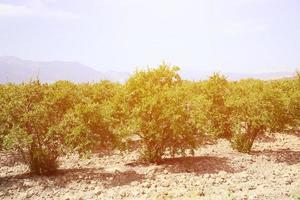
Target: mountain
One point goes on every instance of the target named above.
(18, 70)
(203, 75)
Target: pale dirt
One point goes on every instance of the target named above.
(271, 171)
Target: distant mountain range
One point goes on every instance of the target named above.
(202, 75)
(16, 70)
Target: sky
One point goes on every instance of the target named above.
(123, 35)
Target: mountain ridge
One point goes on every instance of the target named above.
(17, 70)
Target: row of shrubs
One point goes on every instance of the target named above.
(167, 115)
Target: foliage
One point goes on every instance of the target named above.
(294, 102)
(257, 107)
(248, 116)
(25, 127)
(163, 114)
(86, 128)
(99, 92)
(31, 115)
(216, 91)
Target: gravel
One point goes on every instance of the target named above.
(271, 171)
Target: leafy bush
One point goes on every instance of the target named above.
(4, 93)
(99, 92)
(243, 141)
(218, 113)
(32, 114)
(161, 112)
(247, 118)
(294, 102)
(164, 114)
(294, 109)
(86, 128)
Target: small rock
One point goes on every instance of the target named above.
(219, 180)
(146, 185)
(253, 197)
(252, 187)
(243, 196)
(134, 183)
(288, 181)
(136, 193)
(123, 194)
(200, 193)
(206, 176)
(165, 184)
(222, 174)
(28, 183)
(150, 172)
(98, 192)
(29, 194)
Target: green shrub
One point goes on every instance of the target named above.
(99, 92)
(87, 128)
(164, 114)
(276, 103)
(243, 142)
(160, 110)
(250, 113)
(32, 114)
(216, 90)
(294, 102)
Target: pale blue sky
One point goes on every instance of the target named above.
(121, 35)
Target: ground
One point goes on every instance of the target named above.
(271, 171)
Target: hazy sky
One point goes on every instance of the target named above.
(227, 35)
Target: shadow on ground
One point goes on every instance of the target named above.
(198, 165)
(284, 155)
(266, 139)
(295, 132)
(9, 158)
(63, 177)
(193, 164)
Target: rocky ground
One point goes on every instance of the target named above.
(271, 171)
